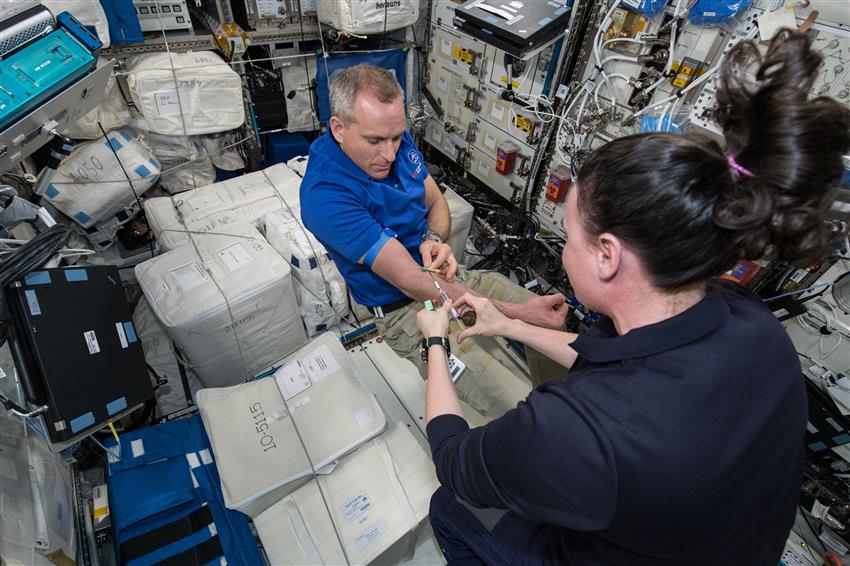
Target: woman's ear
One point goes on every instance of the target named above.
(609, 256)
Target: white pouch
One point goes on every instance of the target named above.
(186, 93)
(91, 185)
(257, 449)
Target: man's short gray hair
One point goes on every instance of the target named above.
(348, 83)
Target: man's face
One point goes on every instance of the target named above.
(372, 140)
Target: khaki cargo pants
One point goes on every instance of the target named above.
(494, 380)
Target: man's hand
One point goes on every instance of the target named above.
(435, 322)
(489, 321)
(546, 311)
(439, 256)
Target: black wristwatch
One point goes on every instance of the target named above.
(433, 341)
(431, 235)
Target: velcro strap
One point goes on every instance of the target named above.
(164, 535)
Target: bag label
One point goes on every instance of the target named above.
(235, 257)
(355, 507)
(291, 380)
(369, 536)
(168, 103)
(320, 363)
(189, 276)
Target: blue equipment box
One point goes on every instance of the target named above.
(37, 72)
(280, 147)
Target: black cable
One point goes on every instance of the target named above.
(127, 176)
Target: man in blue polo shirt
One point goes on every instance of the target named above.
(368, 198)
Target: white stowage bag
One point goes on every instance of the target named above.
(210, 92)
(111, 113)
(322, 305)
(461, 213)
(378, 498)
(298, 164)
(298, 75)
(89, 12)
(223, 151)
(240, 200)
(91, 185)
(159, 354)
(368, 16)
(185, 163)
(229, 306)
(258, 449)
(37, 500)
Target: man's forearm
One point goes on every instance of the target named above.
(439, 216)
(440, 220)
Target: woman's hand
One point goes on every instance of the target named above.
(435, 322)
(489, 321)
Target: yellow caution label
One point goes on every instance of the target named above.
(523, 124)
(101, 512)
(462, 54)
(504, 80)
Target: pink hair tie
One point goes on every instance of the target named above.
(739, 168)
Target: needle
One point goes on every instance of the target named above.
(444, 297)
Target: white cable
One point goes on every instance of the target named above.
(659, 126)
(670, 118)
(608, 42)
(698, 81)
(612, 76)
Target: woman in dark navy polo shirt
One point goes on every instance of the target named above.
(678, 436)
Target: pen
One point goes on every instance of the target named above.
(429, 269)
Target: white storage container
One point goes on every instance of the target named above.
(461, 213)
(378, 498)
(257, 448)
(230, 305)
(111, 113)
(241, 200)
(91, 185)
(208, 100)
(320, 288)
(365, 17)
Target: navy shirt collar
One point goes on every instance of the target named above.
(601, 344)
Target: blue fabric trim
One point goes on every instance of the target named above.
(841, 439)
(83, 218)
(81, 422)
(294, 261)
(115, 406)
(817, 446)
(142, 171)
(72, 275)
(37, 278)
(125, 135)
(51, 192)
(114, 144)
(372, 252)
(130, 332)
